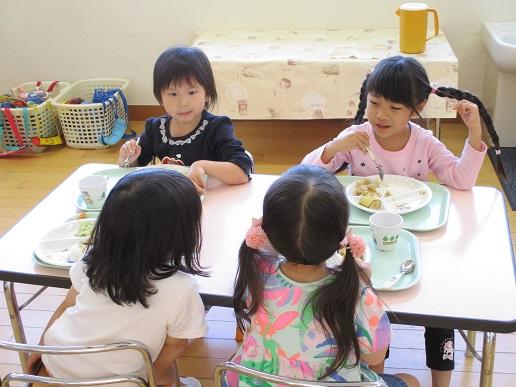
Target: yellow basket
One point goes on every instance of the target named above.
(41, 118)
(82, 125)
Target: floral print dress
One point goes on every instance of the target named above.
(285, 339)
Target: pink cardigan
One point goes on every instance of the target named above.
(423, 154)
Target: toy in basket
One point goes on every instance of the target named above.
(98, 124)
(27, 122)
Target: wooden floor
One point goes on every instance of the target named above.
(275, 145)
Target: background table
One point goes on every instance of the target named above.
(307, 74)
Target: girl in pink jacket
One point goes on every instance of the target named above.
(391, 94)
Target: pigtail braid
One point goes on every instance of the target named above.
(334, 309)
(248, 286)
(486, 118)
(362, 102)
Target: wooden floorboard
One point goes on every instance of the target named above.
(275, 145)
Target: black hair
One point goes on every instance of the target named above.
(305, 216)
(148, 229)
(404, 80)
(184, 64)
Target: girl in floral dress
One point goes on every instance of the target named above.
(302, 319)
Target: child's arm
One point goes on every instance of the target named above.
(374, 358)
(471, 117)
(333, 154)
(373, 327)
(67, 302)
(172, 349)
(225, 171)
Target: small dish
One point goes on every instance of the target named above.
(84, 215)
(81, 205)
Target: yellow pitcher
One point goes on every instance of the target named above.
(413, 27)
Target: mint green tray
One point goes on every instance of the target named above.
(385, 264)
(432, 216)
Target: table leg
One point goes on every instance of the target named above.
(488, 354)
(438, 128)
(472, 336)
(16, 323)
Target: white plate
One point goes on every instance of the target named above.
(398, 194)
(63, 246)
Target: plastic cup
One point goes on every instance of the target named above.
(385, 227)
(93, 190)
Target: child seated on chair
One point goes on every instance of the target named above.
(395, 91)
(188, 134)
(303, 319)
(135, 281)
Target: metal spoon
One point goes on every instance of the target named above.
(406, 267)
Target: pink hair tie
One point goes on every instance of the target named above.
(255, 238)
(434, 91)
(355, 244)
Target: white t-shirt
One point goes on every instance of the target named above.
(175, 310)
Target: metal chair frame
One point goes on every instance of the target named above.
(89, 349)
(242, 370)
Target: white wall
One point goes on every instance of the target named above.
(71, 40)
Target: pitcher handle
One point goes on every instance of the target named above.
(436, 23)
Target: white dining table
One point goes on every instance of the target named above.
(468, 278)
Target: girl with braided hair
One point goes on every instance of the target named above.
(396, 90)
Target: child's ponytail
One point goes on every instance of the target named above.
(459, 95)
(362, 102)
(334, 307)
(248, 293)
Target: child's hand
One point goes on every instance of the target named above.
(196, 175)
(352, 140)
(471, 117)
(130, 151)
(469, 114)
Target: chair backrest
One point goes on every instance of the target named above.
(242, 370)
(71, 350)
(253, 169)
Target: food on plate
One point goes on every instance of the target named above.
(369, 201)
(85, 229)
(69, 255)
(368, 187)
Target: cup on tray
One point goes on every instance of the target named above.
(385, 227)
(93, 190)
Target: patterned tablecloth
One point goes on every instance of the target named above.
(307, 74)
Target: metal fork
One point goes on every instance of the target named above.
(126, 161)
(378, 166)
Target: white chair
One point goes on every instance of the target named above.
(281, 380)
(71, 350)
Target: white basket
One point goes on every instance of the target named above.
(43, 121)
(82, 125)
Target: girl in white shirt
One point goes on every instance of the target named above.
(135, 281)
